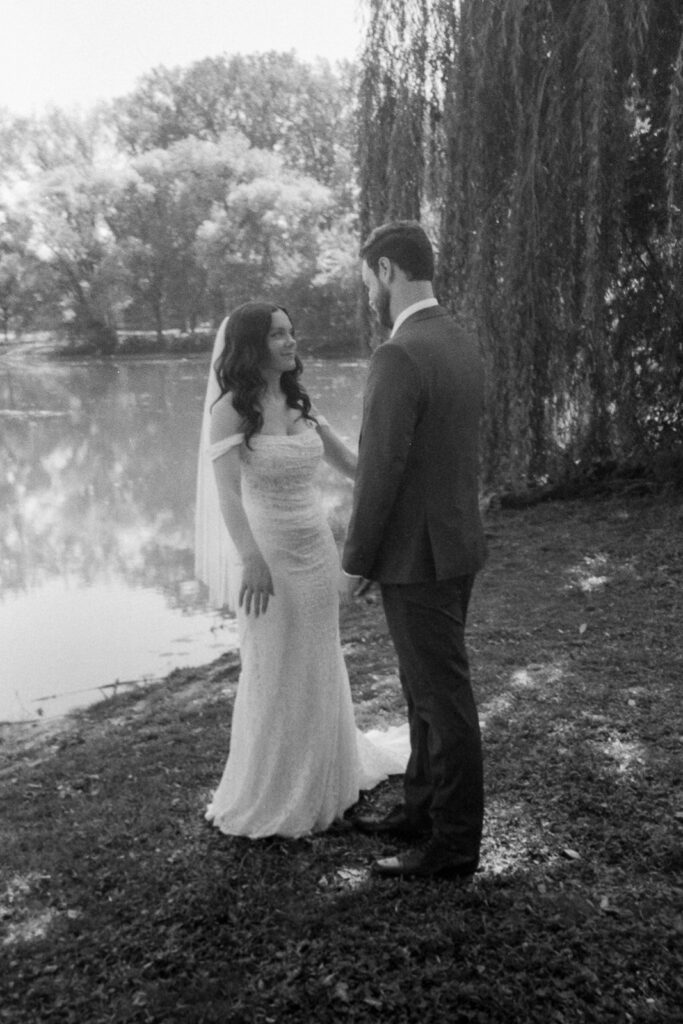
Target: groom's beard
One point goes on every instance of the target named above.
(383, 307)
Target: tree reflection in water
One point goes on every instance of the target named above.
(97, 472)
(96, 465)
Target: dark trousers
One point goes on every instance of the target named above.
(444, 778)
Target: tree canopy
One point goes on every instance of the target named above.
(543, 142)
(277, 102)
(206, 186)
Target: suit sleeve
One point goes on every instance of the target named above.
(390, 412)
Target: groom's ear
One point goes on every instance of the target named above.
(385, 270)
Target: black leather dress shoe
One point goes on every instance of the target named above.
(396, 823)
(434, 859)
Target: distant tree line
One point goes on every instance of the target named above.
(209, 185)
(543, 145)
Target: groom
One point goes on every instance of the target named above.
(416, 528)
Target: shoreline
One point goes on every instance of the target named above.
(22, 738)
(205, 681)
(138, 346)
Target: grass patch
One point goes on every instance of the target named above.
(118, 903)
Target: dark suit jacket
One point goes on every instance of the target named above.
(415, 511)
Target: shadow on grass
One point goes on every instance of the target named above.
(121, 904)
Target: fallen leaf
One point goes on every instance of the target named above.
(341, 992)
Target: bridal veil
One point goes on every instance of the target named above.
(216, 560)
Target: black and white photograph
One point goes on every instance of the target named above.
(341, 511)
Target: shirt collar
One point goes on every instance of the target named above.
(409, 310)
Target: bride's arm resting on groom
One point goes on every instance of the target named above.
(339, 456)
(257, 585)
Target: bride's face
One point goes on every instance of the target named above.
(281, 343)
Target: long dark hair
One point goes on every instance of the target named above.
(238, 367)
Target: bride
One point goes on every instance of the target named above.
(264, 547)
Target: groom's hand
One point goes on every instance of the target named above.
(364, 587)
(347, 588)
(353, 588)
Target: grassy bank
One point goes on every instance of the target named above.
(119, 904)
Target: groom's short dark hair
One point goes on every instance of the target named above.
(406, 244)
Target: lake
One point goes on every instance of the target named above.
(97, 480)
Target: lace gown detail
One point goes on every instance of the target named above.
(296, 760)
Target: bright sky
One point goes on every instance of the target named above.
(71, 53)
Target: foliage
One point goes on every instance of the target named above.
(551, 144)
(119, 903)
(206, 186)
(71, 238)
(155, 213)
(392, 102)
(277, 102)
(20, 277)
(330, 308)
(262, 238)
(59, 138)
(13, 133)
(54, 247)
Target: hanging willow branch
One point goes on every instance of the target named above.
(674, 146)
(393, 102)
(548, 137)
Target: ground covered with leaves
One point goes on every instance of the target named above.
(118, 903)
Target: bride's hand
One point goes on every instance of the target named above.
(257, 585)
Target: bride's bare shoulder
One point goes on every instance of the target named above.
(225, 420)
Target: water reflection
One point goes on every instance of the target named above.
(71, 644)
(97, 472)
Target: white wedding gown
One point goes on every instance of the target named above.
(296, 759)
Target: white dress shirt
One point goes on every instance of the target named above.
(409, 310)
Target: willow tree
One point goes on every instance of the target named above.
(393, 100)
(547, 135)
